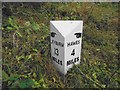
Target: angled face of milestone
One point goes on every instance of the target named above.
(65, 27)
(66, 38)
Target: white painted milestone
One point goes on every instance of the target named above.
(66, 39)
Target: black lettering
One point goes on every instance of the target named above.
(77, 59)
(57, 60)
(62, 44)
(60, 62)
(57, 43)
(68, 44)
(73, 43)
(72, 61)
(68, 63)
(56, 51)
(54, 59)
(73, 52)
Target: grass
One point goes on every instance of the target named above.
(26, 61)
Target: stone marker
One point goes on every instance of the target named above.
(66, 38)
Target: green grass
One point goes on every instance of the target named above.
(26, 61)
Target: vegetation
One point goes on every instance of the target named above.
(26, 61)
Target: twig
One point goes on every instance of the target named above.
(14, 39)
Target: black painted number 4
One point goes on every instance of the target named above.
(73, 52)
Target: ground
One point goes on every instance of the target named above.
(26, 61)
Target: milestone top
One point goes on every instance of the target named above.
(65, 27)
